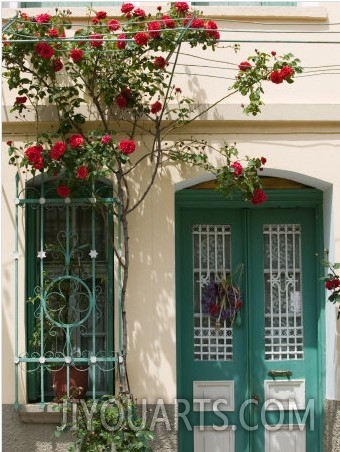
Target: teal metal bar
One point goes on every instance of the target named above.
(42, 344)
(119, 276)
(93, 298)
(16, 296)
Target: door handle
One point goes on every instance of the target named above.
(280, 373)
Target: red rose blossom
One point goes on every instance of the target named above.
(53, 33)
(33, 153)
(168, 21)
(141, 38)
(76, 140)
(181, 7)
(121, 101)
(196, 23)
(82, 172)
(276, 77)
(44, 50)
(121, 41)
(43, 18)
(332, 284)
(244, 66)
(96, 40)
(126, 8)
(57, 65)
(211, 28)
(138, 12)
(159, 62)
(57, 150)
(258, 196)
(106, 139)
(237, 168)
(127, 146)
(263, 160)
(63, 191)
(39, 163)
(76, 55)
(21, 100)
(101, 15)
(286, 72)
(154, 29)
(113, 25)
(273, 53)
(156, 107)
(9, 142)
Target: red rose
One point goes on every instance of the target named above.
(196, 23)
(82, 172)
(44, 50)
(21, 100)
(168, 22)
(106, 139)
(76, 55)
(211, 28)
(57, 150)
(263, 160)
(156, 107)
(273, 52)
(181, 7)
(76, 140)
(126, 8)
(127, 146)
(154, 29)
(121, 41)
(258, 196)
(141, 38)
(159, 62)
(286, 72)
(57, 65)
(101, 15)
(63, 191)
(237, 168)
(276, 77)
(121, 101)
(96, 40)
(43, 18)
(39, 163)
(332, 284)
(178, 90)
(53, 33)
(113, 25)
(244, 66)
(138, 12)
(33, 153)
(9, 142)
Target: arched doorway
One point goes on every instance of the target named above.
(255, 384)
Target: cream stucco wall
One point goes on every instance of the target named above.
(298, 132)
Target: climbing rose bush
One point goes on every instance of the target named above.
(122, 66)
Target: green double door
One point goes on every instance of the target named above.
(255, 384)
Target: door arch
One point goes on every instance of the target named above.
(277, 352)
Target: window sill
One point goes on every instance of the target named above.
(34, 413)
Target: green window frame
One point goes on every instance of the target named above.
(64, 4)
(65, 233)
(250, 3)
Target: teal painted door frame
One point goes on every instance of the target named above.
(250, 368)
